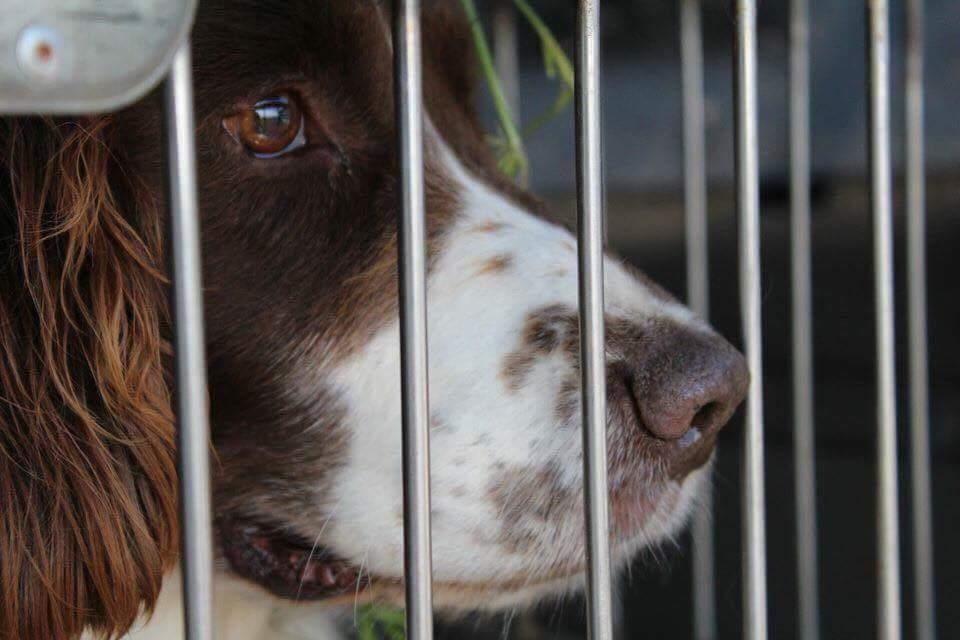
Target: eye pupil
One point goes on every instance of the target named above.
(270, 127)
(272, 120)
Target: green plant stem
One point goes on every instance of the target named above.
(555, 59)
(514, 141)
(555, 62)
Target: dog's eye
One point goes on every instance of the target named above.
(270, 128)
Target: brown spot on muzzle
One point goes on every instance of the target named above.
(545, 331)
(531, 503)
(495, 265)
(489, 226)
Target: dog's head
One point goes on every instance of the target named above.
(298, 189)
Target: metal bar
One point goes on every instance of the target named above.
(804, 445)
(888, 560)
(506, 54)
(193, 429)
(695, 158)
(413, 321)
(704, 570)
(748, 203)
(592, 353)
(924, 595)
(698, 285)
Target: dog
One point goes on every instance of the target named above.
(298, 187)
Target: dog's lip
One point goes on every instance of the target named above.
(692, 455)
(286, 564)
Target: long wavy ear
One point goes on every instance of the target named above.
(88, 501)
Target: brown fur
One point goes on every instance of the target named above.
(87, 479)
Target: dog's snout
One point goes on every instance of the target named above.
(690, 380)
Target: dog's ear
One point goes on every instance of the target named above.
(88, 501)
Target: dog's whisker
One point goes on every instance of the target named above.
(316, 544)
(507, 622)
(356, 595)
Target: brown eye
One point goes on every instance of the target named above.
(270, 128)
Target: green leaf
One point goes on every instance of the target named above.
(377, 622)
(556, 65)
(512, 142)
(511, 154)
(555, 60)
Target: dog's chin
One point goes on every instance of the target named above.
(460, 598)
(466, 597)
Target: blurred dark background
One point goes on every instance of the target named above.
(642, 108)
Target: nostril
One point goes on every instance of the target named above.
(706, 415)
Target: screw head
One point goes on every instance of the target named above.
(40, 50)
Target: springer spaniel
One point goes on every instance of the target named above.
(298, 190)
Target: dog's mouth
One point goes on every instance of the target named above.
(293, 568)
(286, 564)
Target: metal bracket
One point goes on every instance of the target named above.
(86, 56)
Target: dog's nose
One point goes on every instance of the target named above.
(689, 379)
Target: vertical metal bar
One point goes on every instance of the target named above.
(698, 283)
(924, 596)
(803, 380)
(505, 54)
(748, 203)
(694, 155)
(413, 321)
(592, 352)
(888, 561)
(704, 570)
(193, 432)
